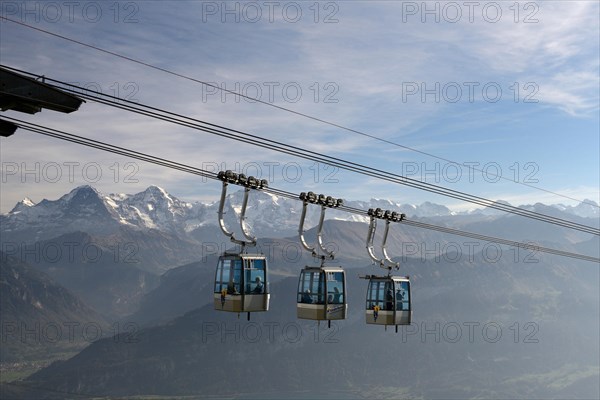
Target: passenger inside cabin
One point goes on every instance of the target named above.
(259, 286)
(231, 288)
(306, 297)
(337, 296)
(400, 299)
(389, 300)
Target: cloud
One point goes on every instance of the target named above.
(366, 59)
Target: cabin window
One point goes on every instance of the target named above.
(311, 288)
(228, 276)
(403, 296)
(221, 284)
(335, 287)
(388, 295)
(255, 277)
(380, 294)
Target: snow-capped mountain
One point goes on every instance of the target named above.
(586, 209)
(82, 209)
(138, 236)
(86, 209)
(153, 208)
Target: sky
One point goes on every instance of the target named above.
(510, 90)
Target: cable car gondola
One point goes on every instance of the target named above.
(388, 299)
(241, 278)
(321, 293)
(321, 290)
(241, 283)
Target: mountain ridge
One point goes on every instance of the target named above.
(268, 215)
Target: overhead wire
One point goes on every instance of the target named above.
(304, 115)
(59, 134)
(270, 144)
(256, 140)
(207, 174)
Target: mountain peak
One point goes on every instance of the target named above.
(587, 208)
(85, 188)
(153, 194)
(27, 202)
(82, 192)
(23, 204)
(156, 189)
(84, 202)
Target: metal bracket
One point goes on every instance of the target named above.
(325, 202)
(312, 250)
(222, 222)
(248, 182)
(327, 253)
(386, 262)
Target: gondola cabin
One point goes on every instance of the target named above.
(241, 283)
(322, 294)
(388, 301)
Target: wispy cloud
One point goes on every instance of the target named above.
(367, 57)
